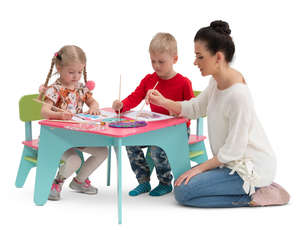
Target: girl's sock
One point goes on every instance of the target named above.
(141, 188)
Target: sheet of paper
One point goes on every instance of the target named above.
(146, 115)
(104, 115)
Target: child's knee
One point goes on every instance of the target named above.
(158, 153)
(103, 153)
(75, 161)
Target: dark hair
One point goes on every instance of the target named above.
(217, 38)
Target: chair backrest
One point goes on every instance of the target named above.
(199, 131)
(196, 93)
(29, 110)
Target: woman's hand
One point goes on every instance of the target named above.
(154, 97)
(187, 176)
(207, 165)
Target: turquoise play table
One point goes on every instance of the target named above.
(57, 137)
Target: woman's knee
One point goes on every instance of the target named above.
(180, 194)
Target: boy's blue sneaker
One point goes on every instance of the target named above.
(161, 190)
(141, 188)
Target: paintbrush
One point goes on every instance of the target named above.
(59, 109)
(145, 101)
(119, 116)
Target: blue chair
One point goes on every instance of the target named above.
(29, 111)
(197, 150)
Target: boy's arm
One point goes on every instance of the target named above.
(188, 92)
(135, 98)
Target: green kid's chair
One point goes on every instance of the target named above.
(196, 141)
(29, 111)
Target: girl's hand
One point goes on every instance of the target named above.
(117, 105)
(42, 89)
(154, 97)
(93, 111)
(65, 115)
(187, 176)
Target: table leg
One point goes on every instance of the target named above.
(118, 150)
(177, 150)
(48, 160)
(108, 166)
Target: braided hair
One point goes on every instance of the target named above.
(66, 55)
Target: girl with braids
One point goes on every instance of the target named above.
(243, 165)
(69, 94)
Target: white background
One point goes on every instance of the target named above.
(115, 36)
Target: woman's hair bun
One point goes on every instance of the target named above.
(220, 27)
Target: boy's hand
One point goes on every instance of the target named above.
(117, 105)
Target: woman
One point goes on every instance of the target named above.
(243, 159)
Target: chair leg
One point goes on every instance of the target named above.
(202, 144)
(108, 166)
(149, 160)
(25, 166)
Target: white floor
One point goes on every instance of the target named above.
(79, 211)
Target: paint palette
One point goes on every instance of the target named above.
(128, 124)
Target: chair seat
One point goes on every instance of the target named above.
(33, 144)
(195, 139)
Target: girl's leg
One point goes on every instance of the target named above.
(213, 188)
(81, 183)
(72, 162)
(98, 155)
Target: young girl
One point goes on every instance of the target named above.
(70, 95)
(243, 159)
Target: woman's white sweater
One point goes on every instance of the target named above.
(236, 136)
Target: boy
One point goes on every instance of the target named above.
(163, 55)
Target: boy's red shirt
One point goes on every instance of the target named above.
(178, 88)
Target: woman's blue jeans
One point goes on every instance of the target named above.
(213, 189)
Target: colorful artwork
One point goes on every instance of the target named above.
(103, 115)
(146, 115)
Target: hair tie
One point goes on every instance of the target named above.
(90, 85)
(58, 56)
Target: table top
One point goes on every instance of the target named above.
(114, 132)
